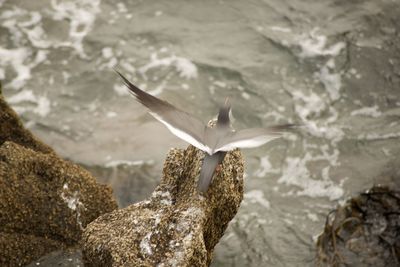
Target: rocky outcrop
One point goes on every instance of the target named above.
(175, 226)
(45, 201)
(365, 231)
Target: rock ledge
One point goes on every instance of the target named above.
(175, 226)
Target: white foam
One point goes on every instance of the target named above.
(367, 111)
(42, 107)
(127, 66)
(314, 44)
(26, 26)
(16, 58)
(66, 75)
(81, 15)
(275, 115)
(121, 89)
(107, 52)
(332, 81)
(310, 105)
(245, 95)
(257, 196)
(296, 173)
(158, 90)
(37, 36)
(377, 136)
(219, 84)
(111, 114)
(111, 61)
(183, 66)
(35, 18)
(155, 62)
(116, 163)
(121, 7)
(312, 216)
(318, 116)
(265, 167)
(26, 95)
(280, 29)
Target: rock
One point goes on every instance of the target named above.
(365, 231)
(45, 201)
(175, 226)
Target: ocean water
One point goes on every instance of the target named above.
(332, 66)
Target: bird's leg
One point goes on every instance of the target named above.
(218, 168)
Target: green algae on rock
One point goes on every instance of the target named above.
(175, 226)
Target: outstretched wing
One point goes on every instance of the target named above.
(253, 137)
(180, 123)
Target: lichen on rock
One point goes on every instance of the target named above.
(175, 226)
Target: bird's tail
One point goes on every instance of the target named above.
(210, 162)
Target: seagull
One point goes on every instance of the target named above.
(214, 141)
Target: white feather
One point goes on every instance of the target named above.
(183, 135)
(247, 143)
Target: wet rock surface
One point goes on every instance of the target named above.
(175, 226)
(365, 231)
(45, 201)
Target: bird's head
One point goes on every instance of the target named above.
(223, 115)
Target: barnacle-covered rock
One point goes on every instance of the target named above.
(176, 226)
(45, 201)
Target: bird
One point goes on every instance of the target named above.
(214, 141)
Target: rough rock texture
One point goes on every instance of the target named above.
(45, 202)
(363, 232)
(175, 226)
